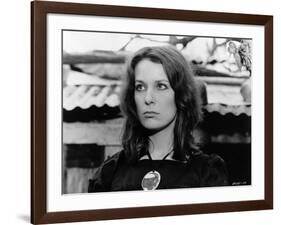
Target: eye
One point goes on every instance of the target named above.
(162, 86)
(139, 87)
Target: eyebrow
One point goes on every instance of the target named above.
(155, 81)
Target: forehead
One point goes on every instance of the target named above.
(146, 70)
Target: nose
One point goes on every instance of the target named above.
(149, 98)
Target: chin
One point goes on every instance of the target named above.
(153, 126)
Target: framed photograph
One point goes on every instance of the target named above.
(145, 112)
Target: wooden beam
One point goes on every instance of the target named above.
(94, 57)
(231, 139)
(231, 81)
(88, 133)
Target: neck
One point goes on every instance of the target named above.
(161, 142)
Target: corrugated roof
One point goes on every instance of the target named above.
(85, 96)
(224, 109)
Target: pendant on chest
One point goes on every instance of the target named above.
(151, 180)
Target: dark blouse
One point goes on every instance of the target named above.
(200, 170)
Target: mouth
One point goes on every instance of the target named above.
(150, 114)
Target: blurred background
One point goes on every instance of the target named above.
(93, 68)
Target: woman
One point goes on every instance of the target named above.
(161, 107)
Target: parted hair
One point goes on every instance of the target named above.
(135, 138)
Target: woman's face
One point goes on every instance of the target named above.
(154, 96)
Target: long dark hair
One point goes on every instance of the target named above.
(135, 139)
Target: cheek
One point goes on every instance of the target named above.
(170, 107)
(169, 101)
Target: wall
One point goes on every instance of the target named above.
(15, 111)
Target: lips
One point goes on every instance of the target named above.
(149, 114)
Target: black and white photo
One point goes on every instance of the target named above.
(145, 112)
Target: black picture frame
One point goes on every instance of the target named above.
(39, 11)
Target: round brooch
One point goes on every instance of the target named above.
(151, 180)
